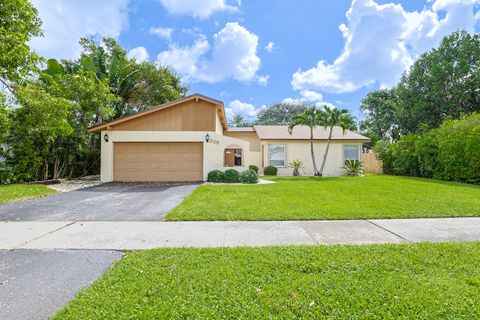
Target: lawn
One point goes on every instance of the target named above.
(305, 198)
(414, 281)
(12, 192)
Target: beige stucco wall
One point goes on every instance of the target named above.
(250, 136)
(300, 149)
(212, 153)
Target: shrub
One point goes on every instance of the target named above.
(449, 152)
(353, 168)
(253, 167)
(296, 165)
(232, 176)
(249, 176)
(216, 176)
(270, 171)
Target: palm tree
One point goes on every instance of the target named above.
(238, 120)
(310, 119)
(330, 117)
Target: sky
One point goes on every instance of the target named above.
(253, 53)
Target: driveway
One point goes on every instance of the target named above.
(107, 202)
(34, 284)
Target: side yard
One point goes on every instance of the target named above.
(419, 281)
(308, 198)
(9, 193)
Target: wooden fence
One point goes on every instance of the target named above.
(371, 164)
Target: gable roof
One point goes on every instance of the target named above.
(220, 108)
(303, 133)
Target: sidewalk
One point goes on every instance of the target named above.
(125, 235)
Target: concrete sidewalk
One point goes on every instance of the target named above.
(126, 235)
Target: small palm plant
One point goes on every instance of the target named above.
(296, 165)
(353, 168)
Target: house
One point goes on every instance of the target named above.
(185, 139)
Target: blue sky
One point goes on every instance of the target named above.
(252, 53)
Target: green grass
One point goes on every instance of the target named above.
(415, 281)
(12, 192)
(306, 198)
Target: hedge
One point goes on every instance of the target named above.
(449, 152)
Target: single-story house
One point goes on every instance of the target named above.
(185, 139)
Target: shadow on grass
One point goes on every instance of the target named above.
(436, 181)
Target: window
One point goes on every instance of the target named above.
(351, 152)
(276, 155)
(233, 157)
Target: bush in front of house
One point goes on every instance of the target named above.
(253, 167)
(249, 176)
(232, 176)
(216, 176)
(270, 171)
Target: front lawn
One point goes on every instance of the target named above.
(302, 198)
(415, 281)
(14, 192)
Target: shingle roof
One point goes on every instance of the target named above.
(303, 133)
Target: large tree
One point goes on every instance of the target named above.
(36, 127)
(19, 22)
(280, 113)
(443, 83)
(380, 108)
(139, 85)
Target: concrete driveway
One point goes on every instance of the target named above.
(107, 202)
(34, 284)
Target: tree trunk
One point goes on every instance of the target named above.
(45, 173)
(315, 170)
(326, 151)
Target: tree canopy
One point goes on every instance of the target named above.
(19, 22)
(441, 84)
(280, 113)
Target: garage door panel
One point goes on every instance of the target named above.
(158, 161)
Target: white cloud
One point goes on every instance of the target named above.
(294, 101)
(269, 47)
(164, 33)
(233, 55)
(140, 54)
(238, 107)
(263, 80)
(197, 8)
(65, 22)
(382, 41)
(311, 95)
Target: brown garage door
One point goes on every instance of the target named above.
(158, 161)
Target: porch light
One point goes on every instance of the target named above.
(207, 138)
(105, 137)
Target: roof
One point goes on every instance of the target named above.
(100, 127)
(303, 133)
(241, 129)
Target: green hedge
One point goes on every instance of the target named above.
(249, 176)
(449, 152)
(216, 176)
(270, 171)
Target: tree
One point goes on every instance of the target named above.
(309, 118)
(19, 22)
(279, 113)
(36, 128)
(330, 117)
(139, 85)
(380, 107)
(238, 120)
(4, 118)
(443, 83)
